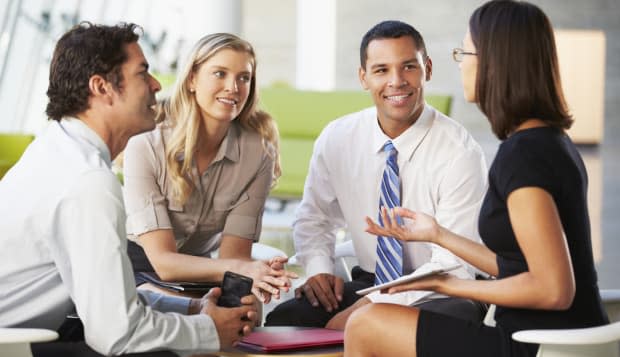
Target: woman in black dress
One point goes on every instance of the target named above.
(534, 218)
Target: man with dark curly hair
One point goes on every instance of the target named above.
(63, 227)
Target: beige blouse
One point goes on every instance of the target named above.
(229, 198)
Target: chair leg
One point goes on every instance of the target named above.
(15, 350)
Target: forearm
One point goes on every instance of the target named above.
(474, 253)
(233, 247)
(173, 266)
(519, 291)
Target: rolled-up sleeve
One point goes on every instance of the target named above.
(145, 202)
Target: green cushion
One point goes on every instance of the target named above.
(301, 115)
(443, 103)
(294, 158)
(12, 147)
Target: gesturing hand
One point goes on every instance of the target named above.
(417, 226)
(325, 289)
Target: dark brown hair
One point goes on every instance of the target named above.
(82, 52)
(518, 73)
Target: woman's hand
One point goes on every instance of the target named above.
(417, 226)
(269, 277)
(436, 283)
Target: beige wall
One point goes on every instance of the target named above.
(270, 26)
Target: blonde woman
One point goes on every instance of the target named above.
(199, 181)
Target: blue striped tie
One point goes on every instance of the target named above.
(389, 250)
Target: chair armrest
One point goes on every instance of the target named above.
(610, 295)
(581, 336)
(15, 342)
(265, 252)
(26, 335)
(345, 249)
(259, 252)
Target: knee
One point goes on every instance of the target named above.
(281, 315)
(362, 322)
(295, 313)
(361, 331)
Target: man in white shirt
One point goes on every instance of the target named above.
(63, 220)
(442, 172)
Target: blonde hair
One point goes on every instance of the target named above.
(182, 113)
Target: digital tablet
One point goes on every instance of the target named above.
(416, 275)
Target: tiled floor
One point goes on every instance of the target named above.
(604, 195)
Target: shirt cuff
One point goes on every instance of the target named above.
(208, 338)
(164, 303)
(151, 217)
(241, 226)
(318, 265)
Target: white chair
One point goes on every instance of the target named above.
(594, 341)
(265, 252)
(342, 252)
(584, 342)
(259, 252)
(15, 342)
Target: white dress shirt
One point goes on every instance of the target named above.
(442, 172)
(63, 248)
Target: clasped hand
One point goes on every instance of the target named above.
(231, 323)
(269, 277)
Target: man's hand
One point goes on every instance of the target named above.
(231, 323)
(324, 288)
(340, 319)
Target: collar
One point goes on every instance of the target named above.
(78, 130)
(229, 148)
(230, 145)
(407, 142)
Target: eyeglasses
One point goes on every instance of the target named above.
(458, 54)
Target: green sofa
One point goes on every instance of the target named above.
(12, 147)
(301, 115)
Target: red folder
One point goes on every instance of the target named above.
(286, 340)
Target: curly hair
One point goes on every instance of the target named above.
(86, 50)
(182, 113)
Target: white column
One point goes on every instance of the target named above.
(316, 44)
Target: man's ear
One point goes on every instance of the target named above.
(99, 87)
(361, 72)
(429, 68)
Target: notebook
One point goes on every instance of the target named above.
(291, 339)
(179, 285)
(416, 275)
